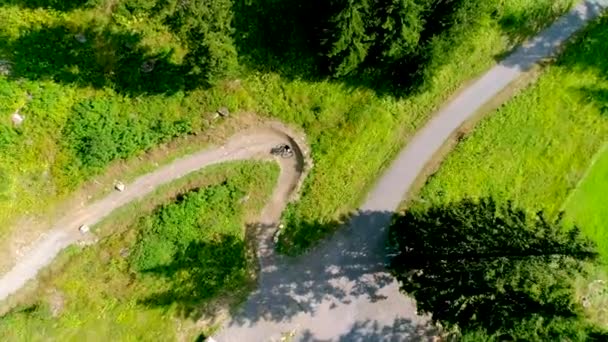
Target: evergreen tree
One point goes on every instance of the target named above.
(486, 267)
(398, 28)
(206, 27)
(348, 42)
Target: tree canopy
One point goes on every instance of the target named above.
(399, 41)
(489, 268)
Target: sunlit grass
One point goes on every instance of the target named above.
(536, 148)
(587, 207)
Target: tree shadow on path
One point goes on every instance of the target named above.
(549, 41)
(340, 285)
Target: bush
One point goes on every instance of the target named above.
(195, 244)
(175, 227)
(103, 130)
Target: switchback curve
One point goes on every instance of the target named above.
(254, 143)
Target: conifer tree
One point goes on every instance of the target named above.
(483, 266)
(206, 27)
(348, 42)
(398, 26)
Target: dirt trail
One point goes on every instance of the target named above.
(251, 144)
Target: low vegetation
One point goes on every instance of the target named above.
(98, 81)
(154, 276)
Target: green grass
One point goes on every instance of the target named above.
(186, 259)
(535, 149)
(354, 131)
(587, 207)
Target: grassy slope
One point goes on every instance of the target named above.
(353, 131)
(535, 149)
(102, 291)
(587, 207)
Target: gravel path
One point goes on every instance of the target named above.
(340, 291)
(252, 144)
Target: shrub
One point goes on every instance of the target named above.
(102, 130)
(174, 227)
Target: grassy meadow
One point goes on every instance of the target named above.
(587, 206)
(158, 273)
(536, 148)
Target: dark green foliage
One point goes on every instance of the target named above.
(138, 7)
(106, 59)
(403, 41)
(281, 36)
(206, 27)
(60, 5)
(349, 41)
(102, 130)
(399, 27)
(483, 266)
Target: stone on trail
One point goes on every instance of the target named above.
(120, 186)
(223, 112)
(148, 66)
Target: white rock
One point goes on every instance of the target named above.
(84, 229)
(120, 186)
(17, 118)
